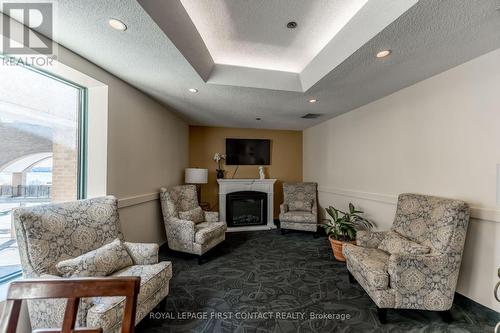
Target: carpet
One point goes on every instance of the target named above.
(265, 282)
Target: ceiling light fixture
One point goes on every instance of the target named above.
(384, 53)
(313, 100)
(117, 24)
(291, 25)
(193, 90)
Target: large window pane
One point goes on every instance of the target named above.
(39, 148)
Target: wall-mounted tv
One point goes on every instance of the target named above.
(248, 152)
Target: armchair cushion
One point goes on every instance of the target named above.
(300, 205)
(296, 216)
(196, 215)
(394, 243)
(107, 312)
(143, 253)
(369, 263)
(100, 262)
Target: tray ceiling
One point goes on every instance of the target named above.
(247, 43)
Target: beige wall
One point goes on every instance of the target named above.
(147, 148)
(286, 157)
(441, 137)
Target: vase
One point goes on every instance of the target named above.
(337, 248)
(220, 173)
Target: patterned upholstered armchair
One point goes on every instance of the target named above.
(189, 228)
(299, 211)
(50, 234)
(415, 264)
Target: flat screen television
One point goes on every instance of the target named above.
(248, 152)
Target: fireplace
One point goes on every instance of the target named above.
(246, 208)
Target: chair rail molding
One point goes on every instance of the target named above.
(138, 199)
(479, 213)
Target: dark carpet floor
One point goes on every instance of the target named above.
(266, 282)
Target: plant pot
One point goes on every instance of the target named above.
(337, 248)
(220, 173)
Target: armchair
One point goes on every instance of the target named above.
(299, 211)
(49, 234)
(195, 237)
(396, 272)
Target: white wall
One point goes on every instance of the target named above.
(440, 136)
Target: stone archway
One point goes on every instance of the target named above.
(19, 168)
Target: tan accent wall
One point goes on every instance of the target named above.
(286, 157)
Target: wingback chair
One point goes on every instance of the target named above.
(299, 210)
(188, 228)
(49, 234)
(415, 264)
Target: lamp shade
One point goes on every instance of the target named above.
(196, 176)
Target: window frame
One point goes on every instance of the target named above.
(82, 142)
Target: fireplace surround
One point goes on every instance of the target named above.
(232, 187)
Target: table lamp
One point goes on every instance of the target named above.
(196, 176)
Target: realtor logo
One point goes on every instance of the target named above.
(23, 39)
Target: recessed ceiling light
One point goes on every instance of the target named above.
(384, 53)
(193, 90)
(117, 24)
(291, 25)
(313, 100)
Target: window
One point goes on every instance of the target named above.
(42, 148)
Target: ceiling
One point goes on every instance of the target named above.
(254, 33)
(426, 39)
(247, 43)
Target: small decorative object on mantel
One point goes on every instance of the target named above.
(262, 174)
(218, 158)
(342, 228)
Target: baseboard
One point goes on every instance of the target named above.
(489, 314)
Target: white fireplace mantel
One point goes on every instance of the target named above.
(227, 186)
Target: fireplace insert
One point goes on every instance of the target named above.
(246, 208)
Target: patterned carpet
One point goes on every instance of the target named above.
(266, 282)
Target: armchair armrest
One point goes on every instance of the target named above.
(283, 208)
(183, 230)
(370, 239)
(211, 216)
(427, 278)
(143, 253)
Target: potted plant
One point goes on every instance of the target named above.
(342, 227)
(218, 158)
